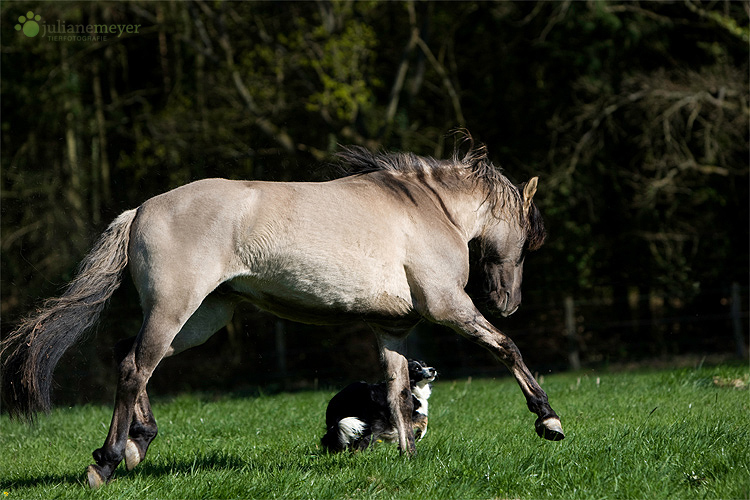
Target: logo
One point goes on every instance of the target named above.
(61, 31)
(29, 24)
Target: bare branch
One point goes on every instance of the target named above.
(725, 22)
(564, 6)
(445, 80)
(268, 127)
(398, 83)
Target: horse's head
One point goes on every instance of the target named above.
(502, 248)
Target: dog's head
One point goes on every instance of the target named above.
(420, 372)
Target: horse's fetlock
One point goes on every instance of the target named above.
(536, 405)
(104, 457)
(139, 431)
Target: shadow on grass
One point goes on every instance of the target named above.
(189, 464)
(183, 466)
(45, 480)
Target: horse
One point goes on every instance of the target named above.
(388, 243)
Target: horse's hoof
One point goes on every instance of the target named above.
(96, 480)
(550, 429)
(132, 455)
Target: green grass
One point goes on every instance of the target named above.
(663, 434)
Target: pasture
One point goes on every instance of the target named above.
(651, 434)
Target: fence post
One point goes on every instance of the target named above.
(572, 334)
(736, 314)
(280, 332)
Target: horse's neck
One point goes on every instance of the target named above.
(466, 202)
(473, 211)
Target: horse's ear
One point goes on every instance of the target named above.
(528, 193)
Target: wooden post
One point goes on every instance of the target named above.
(280, 332)
(572, 334)
(736, 314)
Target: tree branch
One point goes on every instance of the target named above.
(398, 83)
(268, 127)
(445, 80)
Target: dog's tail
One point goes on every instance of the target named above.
(351, 429)
(343, 434)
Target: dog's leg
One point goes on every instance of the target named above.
(420, 427)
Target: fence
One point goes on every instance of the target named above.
(554, 331)
(734, 314)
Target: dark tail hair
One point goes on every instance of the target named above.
(29, 354)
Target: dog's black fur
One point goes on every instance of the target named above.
(359, 415)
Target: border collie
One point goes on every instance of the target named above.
(359, 415)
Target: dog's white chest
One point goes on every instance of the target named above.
(422, 393)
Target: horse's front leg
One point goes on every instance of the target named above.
(470, 323)
(396, 369)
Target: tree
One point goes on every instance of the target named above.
(633, 114)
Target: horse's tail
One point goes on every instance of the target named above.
(29, 354)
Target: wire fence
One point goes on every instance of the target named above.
(554, 332)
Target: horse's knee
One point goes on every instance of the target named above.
(499, 344)
(508, 353)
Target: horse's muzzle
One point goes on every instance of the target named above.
(507, 313)
(501, 302)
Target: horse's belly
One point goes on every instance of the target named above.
(326, 301)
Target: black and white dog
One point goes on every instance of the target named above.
(359, 415)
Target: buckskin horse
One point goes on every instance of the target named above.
(388, 244)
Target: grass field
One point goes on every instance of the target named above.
(661, 434)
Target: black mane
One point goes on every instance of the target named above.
(358, 160)
(535, 230)
(505, 198)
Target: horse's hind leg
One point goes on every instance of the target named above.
(135, 369)
(143, 430)
(143, 427)
(133, 426)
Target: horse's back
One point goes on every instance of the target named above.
(316, 252)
